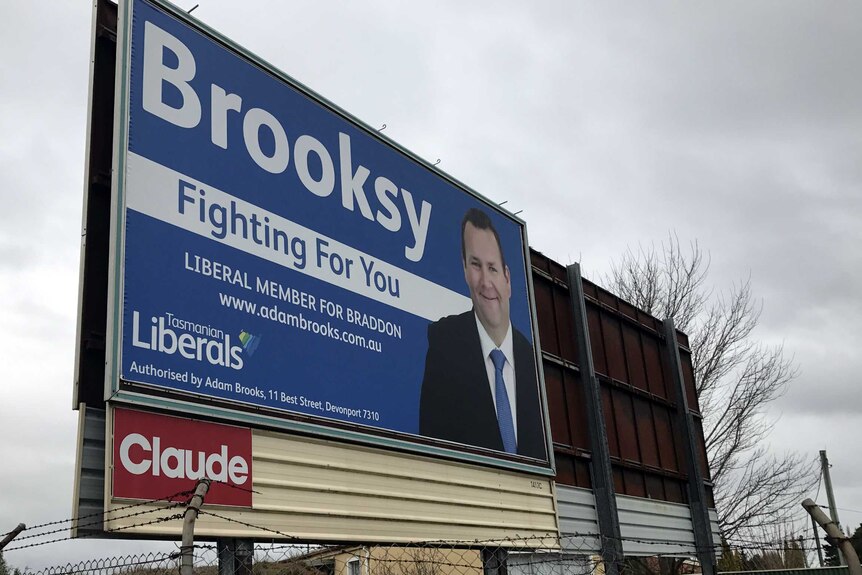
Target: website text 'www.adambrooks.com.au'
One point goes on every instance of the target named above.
(299, 321)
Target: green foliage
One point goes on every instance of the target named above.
(5, 569)
(856, 540)
(830, 551)
(730, 560)
(794, 555)
(790, 556)
(830, 555)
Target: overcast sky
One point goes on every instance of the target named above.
(736, 124)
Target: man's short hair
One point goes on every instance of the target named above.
(480, 220)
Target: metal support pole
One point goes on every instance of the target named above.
(12, 535)
(697, 494)
(235, 556)
(187, 549)
(830, 496)
(600, 465)
(817, 541)
(835, 536)
(494, 561)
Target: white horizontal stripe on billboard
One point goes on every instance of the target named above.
(176, 199)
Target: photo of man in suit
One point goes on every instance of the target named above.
(480, 386)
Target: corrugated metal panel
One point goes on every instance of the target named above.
(649, 527)
(320, 490)
(89, 491)
(713, 527)
(579, 523)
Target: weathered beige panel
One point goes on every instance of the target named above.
(320, 490)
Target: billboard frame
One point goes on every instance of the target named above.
(116, 389)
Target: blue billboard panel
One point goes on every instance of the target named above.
(278, 254)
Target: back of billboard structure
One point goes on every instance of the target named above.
(273, 257)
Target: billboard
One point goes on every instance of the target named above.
(273, 254)
(156, 456)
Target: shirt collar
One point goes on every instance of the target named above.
(488, 344)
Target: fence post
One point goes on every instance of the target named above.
(12, 535)
(235, 556)
(187, 549)
(494, 561)
(834, 533)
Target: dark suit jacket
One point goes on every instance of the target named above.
(456, 402)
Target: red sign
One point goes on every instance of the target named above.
(158, 456)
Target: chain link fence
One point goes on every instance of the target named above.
(570, 554)
(538, 556)
(535, 556)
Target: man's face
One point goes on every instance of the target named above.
(487, 278)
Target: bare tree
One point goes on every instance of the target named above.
(736, 378)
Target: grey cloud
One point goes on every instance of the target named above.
(736, 123)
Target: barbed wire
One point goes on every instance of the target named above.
(81, 525)
(167, 498)
(411, 558)
(232, 486)
(98, 534)
(187, 493)
(541, 540)
(260, 527)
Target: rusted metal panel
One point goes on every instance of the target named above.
(625, 421)
(573, 470)
(610, 415)
(646, 433)
(615, 355)
(701, 444)
(653, 367)
(557, 404)
(543, 290)
(634, 357)
(575, 407)
(675, 491)
(629, 352)
(667, 448)
(634, 483)
(565, 327)
(594, 319)
(655, 487)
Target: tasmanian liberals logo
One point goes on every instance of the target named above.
(170, 335)
(249, 342)
(158, 456)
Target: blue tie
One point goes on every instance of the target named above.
(504, 411)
